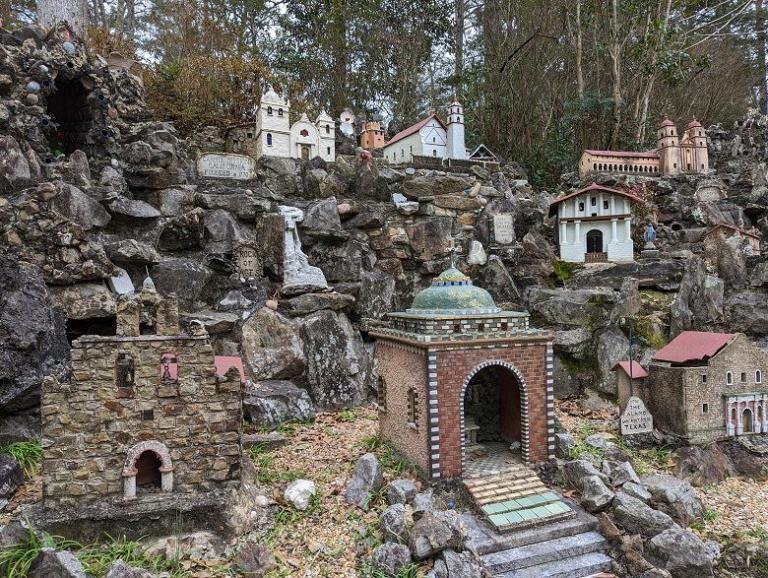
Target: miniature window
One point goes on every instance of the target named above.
(147, 415)
(504, 325)
(743, 377)
(433, 139)
(169, 368)
(729, 378)
(327, 129)
(250, 135)
(412, 407)
(304, 132)
(125, 371)
(328, 149)
(269, 139)
(703, 378)
(605, 205)
(434, 153)
(594, 201)
(704, 408)
(457, 328)
(382, 394)
(279, 112)
(581, 206)
(480, 327)
(758, 376)
(269, 110)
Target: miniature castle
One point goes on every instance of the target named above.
(147, 422)
(430, 137)
(372, 135)
(673, 155)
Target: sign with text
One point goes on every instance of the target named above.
(226, 166)
(636, 418)
(503, 229)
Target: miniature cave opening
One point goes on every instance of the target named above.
(492, 408)
(148, 470)
(92, 326)
(71, 115)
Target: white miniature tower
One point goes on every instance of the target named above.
(668, 147)
(273, 128)
(456, 147)
(327, 129)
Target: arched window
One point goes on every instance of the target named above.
(269, 110)
(434, 152)
(328, 149)
(758, 376)
(125, 371)
(729, 378)
(279, 112)
(743, 377)
(327, 129)
(594, 166)
(413, 410)
(269, 139)
(148, 463)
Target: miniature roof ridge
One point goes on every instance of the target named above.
(624, 154)
(734, 228)
(693, 346)
(413, 129)
(593, 187)
(638, 371)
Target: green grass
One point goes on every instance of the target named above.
(347, 415)
(410, 571)
(289, 428)
(758, 532)
(264, 461)
(648, 461)
(287, 516)
(16, 560)
(27, 454)
(390, 460)
(563, 270)
(371, 443)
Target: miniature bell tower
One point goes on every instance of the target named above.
(668, 147)
(457, 149)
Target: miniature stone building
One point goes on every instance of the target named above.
(672, 156)
(430, 137)
(630, 378)
(145, 422)
(372, 135)
(722, 232)
(595, 224)
(708, 386)
(457, 372)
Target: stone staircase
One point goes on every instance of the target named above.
(561, 548)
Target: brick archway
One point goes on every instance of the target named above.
(130, 470)
(524, 428)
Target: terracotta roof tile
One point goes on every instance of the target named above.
(693, 346)
(625, 154)
(413, 129)
(637, 370)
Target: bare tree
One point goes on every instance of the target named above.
(74, 12)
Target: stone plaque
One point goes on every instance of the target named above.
(503, 229)
(226, 166)
(636, 418)
(247, 261)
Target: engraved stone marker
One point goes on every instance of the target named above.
(503, 229)
(226, 166)
(247, 260)
(636, 418)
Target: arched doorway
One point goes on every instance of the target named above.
(71, 116)
(147, 465)
(594, 241)
(746, 421)
(148, 470)
(493, 425)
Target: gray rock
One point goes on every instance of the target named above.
(390, 558)
(423, 503)
(377, 294)
(759, 276)
(269, 403)
(595, 495)
(564, 445)
(79, 208)
(14, 533)
(496, 279)
(699, 300)
(401, 491)
(366, 479)
(453, 564)
(682, 553)
(14, 167)
(623, 473)
(220, 232)
(134, 208)
(434, 185)
(748, 312)
(299, 493)
(303, 305)
(393, 523)
(83, 300)
(596, 441)
(702, 465)
(435, 532)
(321, 220)
(255, 560)
(612, 347)
(343, 379)
(52, 563)
(131, 251)
(122, 570)
(572, 307)
(176, 201)
(675, 497)
(637, 517)
(215, 322)
(577, 470)
(272, 346)
(11, 476)
(636, 491)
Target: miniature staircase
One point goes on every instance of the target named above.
(562, 548)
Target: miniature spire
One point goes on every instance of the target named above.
(148, 284)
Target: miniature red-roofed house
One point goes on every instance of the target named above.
(630, 376)
(707, 386)
(722, 232)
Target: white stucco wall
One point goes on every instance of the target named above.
(403, 150)
(281, 144)
(312, 139)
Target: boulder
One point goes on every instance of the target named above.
(623, 473)
(187, 278)
(636, 491)
(254, 560)
(122, 570)
(52, 563)
(176, 201)
(272, 346)
(458, 202)
(576, 470)
(572, 307)
(435, 532)
(401, 491)
(133, 208)
(269, 403)
(564, 445)
(14, 167)
(83, 301)
(702, 465)
(366, 479)
(393, 523)
(321, 220)
(341, 379)
(637, 517)
(215, 322)
(423, 502)
(682, 553)
(434, 185)
(79, 208)
(747, 311)
(132, 252)
(376, 296)
(452, 564)
(220, 232)
(299, 493)
(699, 301)
(390, 558)
(675, 497)
(11, 476)
(596, 441)
(193, 546)
(595, 495)
(303, 305)
(430, 239)
(612, 347)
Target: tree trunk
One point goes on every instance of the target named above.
(74, 12)
(762, 57)
(458, 52)
(579, 52)
(615, 50)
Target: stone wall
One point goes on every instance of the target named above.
(90, 427)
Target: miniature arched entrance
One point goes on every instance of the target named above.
(494, 427)
(147, 465)
(746, 420)
(594, 241)
(71, 115)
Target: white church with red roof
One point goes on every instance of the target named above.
(430, 137)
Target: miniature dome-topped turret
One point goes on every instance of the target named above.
(452, 293)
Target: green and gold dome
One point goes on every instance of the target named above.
(452, 293)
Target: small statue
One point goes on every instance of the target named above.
(126, 371)
(649, 236)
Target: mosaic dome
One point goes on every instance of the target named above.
(452, 293)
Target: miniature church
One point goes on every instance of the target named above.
(462, 379)
(150, 421)
(276, 137)
(595, 225)
(430, 137)
(673, 155)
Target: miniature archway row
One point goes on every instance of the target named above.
(130, 471)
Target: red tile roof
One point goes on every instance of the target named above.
(625, 154)
(593, 187)
(224, 362)
(693, 346)
(637, 370)
(414, 129)
(733, 228)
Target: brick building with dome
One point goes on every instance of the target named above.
(461, 377)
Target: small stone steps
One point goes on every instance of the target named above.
(578, 567)
(544, 552)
